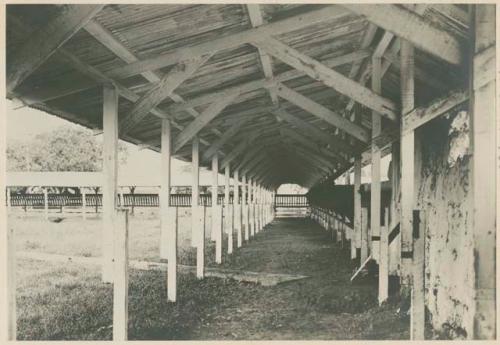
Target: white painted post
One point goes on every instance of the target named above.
(237, 209)
(110, 170)
(171, 219)
(46, 203)
(383, 273)
(251, 197)
(407, 166)
(364, 234)
(11, 285)
(84, 203)
(228, 213)
(375, 194)
(197, 228)
(120, 277)
(484, 133)
(245, 206)
(166, 142)
(357, 203)
(216, 210)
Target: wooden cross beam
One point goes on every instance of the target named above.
(229, 41)
(255, 14)
(201, 121)
(411, 27)
(260, 83)
(45, 41)
(105, 37)
(331, 78)
(160, 91)
(242, 146)
(323, 113)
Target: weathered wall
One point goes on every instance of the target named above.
(443, 193)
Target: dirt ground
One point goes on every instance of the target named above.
(70, 302)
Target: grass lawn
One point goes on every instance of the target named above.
(69, 302)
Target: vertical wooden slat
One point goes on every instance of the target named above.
(110, 171)
(46, 203)
(407, 165)
(166, 140)
(120, 276)
(375, 166)
(484, 123)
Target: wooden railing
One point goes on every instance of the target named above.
(291, 200)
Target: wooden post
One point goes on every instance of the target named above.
(364, 234)
(166, 142)
(237, 209)
(11, 285)
(244, 206)
(407, 166)
(375, 167)
(395, 261)
(216, 210)
(197, 228)
(46, 203)
(120, 276)
(228, 213)
(171, 219)
(251, 219)
(383, 272)
(84, 203)
(257, 207)
(484, 174)
(110, 171)
(417, 322)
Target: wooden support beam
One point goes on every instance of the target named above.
(160, 91)
(201, 121)
(364, 234)
(120, 276)
(419, 116)
(107, 38)
(230, 41)
(166, 140)
(375, 194)
(413, 28)
(323, 113)
(484, 124)
(329, 77)
(407, 165)
(110, 172)
(417, 318)
(197, 227)
(46, 40)
(239, 149)
(244, 187)
(258, 84)
(255, 14)
(383, 272)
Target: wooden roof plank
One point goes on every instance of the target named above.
(40, 46)
(329, 77)
(230, 41)
(411, 27)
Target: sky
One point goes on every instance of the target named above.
(143, 165)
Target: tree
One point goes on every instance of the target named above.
(62, 149)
